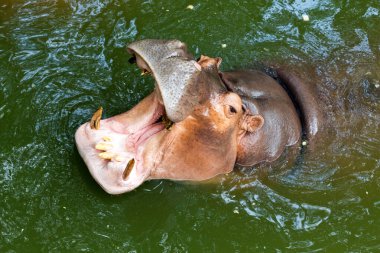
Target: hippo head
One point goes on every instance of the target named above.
(188, 128)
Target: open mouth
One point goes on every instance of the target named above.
(113, 148)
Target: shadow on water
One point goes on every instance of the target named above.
(60, 60)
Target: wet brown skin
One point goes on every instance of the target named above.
(123, 151)
(204, 136)
(210, 133)
(242, 117)
(263, 95)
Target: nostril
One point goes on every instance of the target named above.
(132, 60)
(128, 169)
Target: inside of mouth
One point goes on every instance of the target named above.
(114, 150)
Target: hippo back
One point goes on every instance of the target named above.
(261, 94)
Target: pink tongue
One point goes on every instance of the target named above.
(147, 132)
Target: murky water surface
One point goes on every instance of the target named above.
(60, 60)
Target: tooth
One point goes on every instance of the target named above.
(106, 138)
(104, 146)
(95, 120)
(128, 169)
(119, 158)
(167, 122)
(107, 155)
(145, 72)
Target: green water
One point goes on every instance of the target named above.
(60, 60)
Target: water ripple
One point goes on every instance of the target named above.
(60, 60)
(261, 202)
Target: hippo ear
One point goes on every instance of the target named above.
(252, 123)
(208, 62)
(218, 61)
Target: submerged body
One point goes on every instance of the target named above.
(242, 117)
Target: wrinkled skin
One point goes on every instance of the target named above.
(219, 119)
(180, 83)
(209, 133)
(262, 95)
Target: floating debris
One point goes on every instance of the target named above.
(304, 143)
(305, 17)
(190, 7)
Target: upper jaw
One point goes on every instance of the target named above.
(175, 72)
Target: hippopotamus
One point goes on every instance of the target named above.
(197, 123)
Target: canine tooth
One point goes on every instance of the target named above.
(106, 155)
(104, 146)
(95, 120)
(128, 169)
(106, 138)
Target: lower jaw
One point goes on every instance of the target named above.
(113, 175)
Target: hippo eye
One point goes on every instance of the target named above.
(232, 109)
